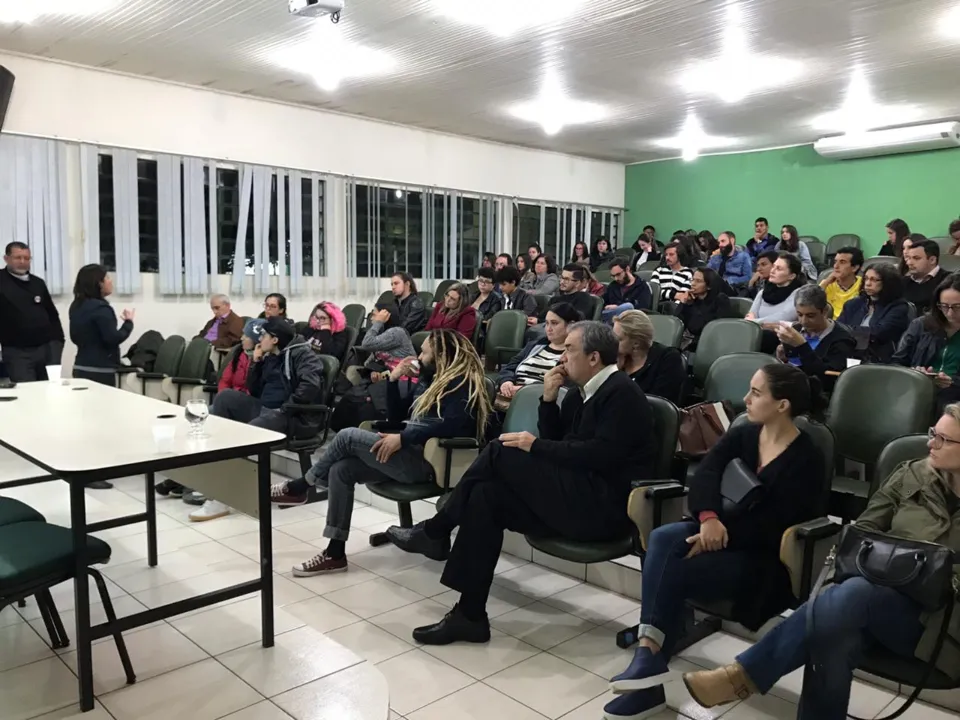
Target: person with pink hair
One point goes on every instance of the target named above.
(326, 331)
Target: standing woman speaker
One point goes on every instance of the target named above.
(93, 326)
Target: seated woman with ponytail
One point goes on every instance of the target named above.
(720, 553)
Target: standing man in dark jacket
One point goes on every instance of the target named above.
(30, 331)
(571, 482)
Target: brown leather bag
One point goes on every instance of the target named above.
(702, 425)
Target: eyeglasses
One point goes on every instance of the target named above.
(947, 308)
(271, 306)
(939, 440)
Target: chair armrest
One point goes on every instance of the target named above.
(150, 375)
(126, 369)
(803, 551)
(212, 389)
(188, 381)
(665, 491)
(646, 505)
(292, 407)
(506, 354)
(818, 529)
(458, 443)
(634, 484)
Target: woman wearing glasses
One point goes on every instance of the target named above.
(275, 305)
(485, 301)
(931, 344)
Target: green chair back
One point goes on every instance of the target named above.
(602, 275)
(654, 295)
(650, 265)
(504, 337)
(301, 327)
(331, 369)
(417, 339)
(355, 314)
(667, 329)
(946, 244)
(722, 337)
(645, 275)
(387, 297)
(194, 361)
(542, 302)
(878, 260)
(741, 306)
(524, 411)
(227, 359)
(872, 405)
(842, 240)
(950, 263)
(729, 377)
(427, 298)
(818, 251)
(666, 427)
(899, 450)
(170, 354)
(597, 301)
(440, 292)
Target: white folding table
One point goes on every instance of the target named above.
(82, 431)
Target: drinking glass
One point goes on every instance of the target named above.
(196, 413)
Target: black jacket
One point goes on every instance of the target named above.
(413, 315)
(697, 314)
(652, 256)
(489, 307)
(28, 317)
(830, 354)
(887, 325)
(521, 300)
(662, 374)
(637, 294)
(302, 376)
(582, 302)
(794, 491)
(455, 419)
(327, 343)
(921, 293)
(920, 347)
(93, 329)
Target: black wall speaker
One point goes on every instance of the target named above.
(6, 89)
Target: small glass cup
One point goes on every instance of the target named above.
(196, 413)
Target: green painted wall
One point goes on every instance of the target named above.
(796, 186)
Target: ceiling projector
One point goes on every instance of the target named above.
(317, 8)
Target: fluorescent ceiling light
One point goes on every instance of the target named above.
(553, 109)
(949, 26)
(693, 139)
(860, 112)
(27, 11)
(330, 58)
(507, 17)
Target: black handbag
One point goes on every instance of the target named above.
(922, 571)
(740, 490)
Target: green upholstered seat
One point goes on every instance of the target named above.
(722, 337)
(729, 377)
(13, 511)
(583, 552)
(504, 337)
(32, 552)
(667, 330)
(355, 314)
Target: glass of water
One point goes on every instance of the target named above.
(196, 414)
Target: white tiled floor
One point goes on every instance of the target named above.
(340, 638)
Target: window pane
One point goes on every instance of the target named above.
(108, 239)
(414, 224)
(526, 227)
(147, 215)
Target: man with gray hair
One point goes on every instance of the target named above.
(572, 481)
(225, 328)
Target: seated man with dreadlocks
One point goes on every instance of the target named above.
(450, 400)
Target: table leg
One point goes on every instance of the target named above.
(81, 588)
(151, 501)
(266, 547)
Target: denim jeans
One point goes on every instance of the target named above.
(847, 618)
(669, 578)
(607, 316)
(238, 406)
(348, 461)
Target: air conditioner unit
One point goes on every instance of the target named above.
(894, 141)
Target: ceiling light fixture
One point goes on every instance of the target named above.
(693, 139)
(553, 109)
(949, 26)
(738, 72)
(330, 58)
(507, 17)
(860, 112)
(27, 11)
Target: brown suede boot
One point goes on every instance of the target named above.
(718, 687)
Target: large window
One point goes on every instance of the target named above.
(558, 228)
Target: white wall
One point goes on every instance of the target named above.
(68, 102)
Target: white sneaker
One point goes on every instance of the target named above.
(211, 510)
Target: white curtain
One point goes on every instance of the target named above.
(240, 246)
(90, 202)
(126, 223)
(169, 228)
(262, 178)
(195, 231)
(295, 198)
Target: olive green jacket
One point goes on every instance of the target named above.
(912, 504)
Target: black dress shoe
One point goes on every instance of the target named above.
(454, 627)
(415, 540)
(99, 485)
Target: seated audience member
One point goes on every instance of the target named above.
(600, 254)
(931, 344)
(411, 313)
(450, 401)
(897, 232)
(707, 243)
(776, 302)
(733, 265)
(454, 313)
(573, 290)
(281, 371)
(790, 242)
(533, 252)
(761, 274)
(651, 232)
(527, 278)
(879, 315)
(954, 232)
(843, 284)
(656, 369)
(594, 286)
(646, 250)
(924, 274)
(703, 304)
(388, 342)
(624, 291)
(225, 328)
(674, 275)
(690, 249)
(489, 259)
(485, 301)
(762, 240)
(234, 376)
(514, 296)
(581, 255)
(503, 260)
(275, 305)
(816, 344)
(538, 357)
(325, 332)
(546, 281)
(917, 502)
(571, 482)
(734, 557)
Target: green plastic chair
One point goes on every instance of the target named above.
(879, 260)
(504, 337)
(166, 365)
(667, 329)
(597, 313)
(192, 372)
(427, 298)
(818, 251)
(386, 297)
(441, 291)
(728, 378)
(355, 315)
(417, 339)
(741, 306)
(841, 240)
(723, 337)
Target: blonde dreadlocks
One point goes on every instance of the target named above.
(455, 358)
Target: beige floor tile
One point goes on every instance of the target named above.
(357, 693)
(423, 579)
(38, 688)
(476, 702)
(21, 644)
(137, 576)
(325, 584)
(226, 527)
(394, 715)
(264, 710)
(302, 513)
(64, 598)
(508, 562)
(321, 614)
(214, 577)
(596, 651)
(358, 542)
(204, 691)
(388, 560)
(541, 625)
(500, 601)
(547, 684)
(248, 544)
(593, 604)
(368, 516)
(221, 629)
(122, 606)
(593, 710)
(373, 598)
(134, 547)
(72, 712)
(763, 707)
(370, 642)
(402, 621)
(417, 679)
(920, 711)
(535, 581)
(298, 657)
(10, 616)
(481, 660)
(306, 530)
